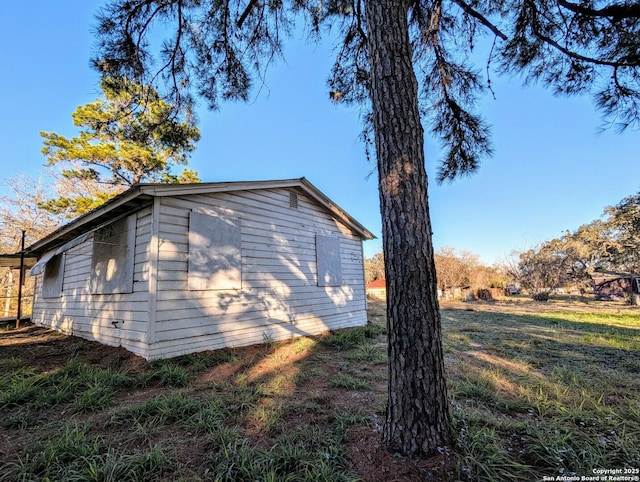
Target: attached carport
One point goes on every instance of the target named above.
(21, 262)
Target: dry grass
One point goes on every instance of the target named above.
(536, 389)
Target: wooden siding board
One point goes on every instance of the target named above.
(276, 201)
(249, 320)
(278, 251)
(172, 265)
(172, 285)
(279, 278)
(310, 327)
(270, 305)
(230, 298)
(90, 316)
(170, 250)
(164, 275)
(273, 308)
(286, 258)
(280, 216)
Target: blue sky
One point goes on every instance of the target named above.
(551, 171)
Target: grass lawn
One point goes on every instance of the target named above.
(537, 390)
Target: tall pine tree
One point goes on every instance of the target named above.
(131, 135)
(216, 48)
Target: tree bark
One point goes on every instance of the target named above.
(417, 419)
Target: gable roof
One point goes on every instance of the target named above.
(141, 195)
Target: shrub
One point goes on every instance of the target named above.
(544, 296)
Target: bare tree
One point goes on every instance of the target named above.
(21, 210)
(374, 267)
(542, 270)
(449, 269)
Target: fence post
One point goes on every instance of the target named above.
(21, 281)
(9, 293)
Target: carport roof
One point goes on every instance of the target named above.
(13, 261)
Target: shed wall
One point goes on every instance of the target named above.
(112, 319)
(279, 295)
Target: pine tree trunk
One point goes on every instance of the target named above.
(417, 420)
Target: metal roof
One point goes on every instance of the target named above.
(141, 195)
(13, 261)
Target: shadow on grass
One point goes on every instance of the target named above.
(542, 394)
(237, 414)
(531, 395)
(544, 339)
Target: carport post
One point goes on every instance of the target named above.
(21, 281)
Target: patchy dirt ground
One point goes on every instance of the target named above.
(302, 380)
(44, 350)
(47, 351)
(524, 304)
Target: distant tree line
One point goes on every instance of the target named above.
(608, 244)
(454, 268)
(463, 269)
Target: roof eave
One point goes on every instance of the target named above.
(141, 194)
(336, 210)
(128, 201)
(214, 187)
(302, 183)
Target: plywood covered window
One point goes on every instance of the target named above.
(215, 260)
(328, 261)
(53, 276)
(113, 257)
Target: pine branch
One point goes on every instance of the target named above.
(246, 13)
(478, 16)
(617, 12)
(577, 56)
(535, 27)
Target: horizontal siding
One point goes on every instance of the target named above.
(244, 337)
(253, 321)
(279, 297)
(229, 299)
(265, 208)
(90, 316)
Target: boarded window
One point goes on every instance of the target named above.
(113, 253)
(53, 276)
(215, 260)
(39, 267)
(328, 261)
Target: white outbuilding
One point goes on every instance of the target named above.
(168, 269)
